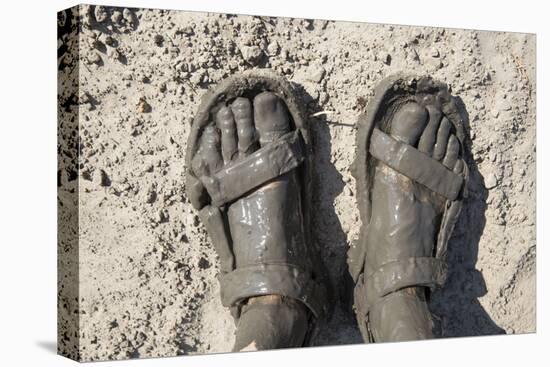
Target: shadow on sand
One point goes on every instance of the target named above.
(456, 305)
(328, 235)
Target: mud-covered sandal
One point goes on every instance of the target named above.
(411, 180)
(248, 174)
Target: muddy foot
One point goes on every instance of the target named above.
(406, 217)
(266, 224)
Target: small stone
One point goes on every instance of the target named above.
(94, 58)
(348, 191)
(204, 263)
(143, 106)
(308, 24)
(504, 105)
(100, 178)
(128, 17)
(113, 324)
(385, 57)
(252, 54)
(316, 74)
(100, 14)
(116, 17)
(161, 216)
(159, 40)
(188, 31)
(434, 52)
(148, 168)
(273, 48)
(435, 63)
(113, 54)
(491, 181)
(150, 196)
(110, 41)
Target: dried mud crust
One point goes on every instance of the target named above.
(148, 284)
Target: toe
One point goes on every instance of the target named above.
(210, 150)
(459, 166)
(442, 138)
(226, 124)
(427, 140)
(246, 133)
(409, 122)
(199, 165)
(453, 148)
(271, 117)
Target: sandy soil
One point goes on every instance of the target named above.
(147, 271)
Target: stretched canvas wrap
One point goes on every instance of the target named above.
(238, 183)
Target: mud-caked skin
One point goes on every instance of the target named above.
(266, 225)
(407, 223)
(405, 220)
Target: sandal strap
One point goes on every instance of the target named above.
(395, 275)
(414, 271)
(267, 163)
(216, 226)
(416, 165)
(277, 278)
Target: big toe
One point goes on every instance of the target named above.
(271, 117)
(409, 122)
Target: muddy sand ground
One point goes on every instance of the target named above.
(147, 268)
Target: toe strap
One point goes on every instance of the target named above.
(267, 163)
(416, 165)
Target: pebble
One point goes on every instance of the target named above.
(348, 191)
(100, 178)
(127, 14)
(316, 73)
(385, 57)
(491, 181)
(150, 196)
(94, 58)
(188, 31)
(110, 41)
(100, 14)
(273, 48)
(504, 105)
(116, 17)
(143, 106)
(159, 40)
(251, 54)
(161, 216)
(149, 168)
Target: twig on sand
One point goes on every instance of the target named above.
(323, 113)
(320, 113)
